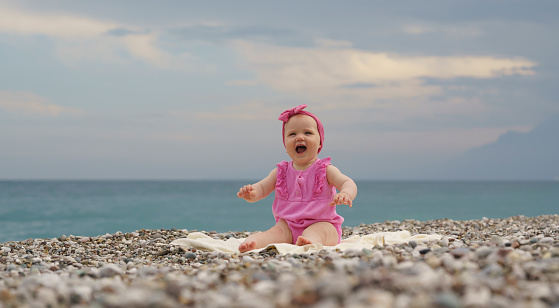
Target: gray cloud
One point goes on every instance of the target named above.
(254, 33)
(124, 32)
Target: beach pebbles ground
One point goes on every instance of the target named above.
(512, 262)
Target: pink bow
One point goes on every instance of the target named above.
(284, 116)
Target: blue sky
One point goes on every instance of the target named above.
(192, 90)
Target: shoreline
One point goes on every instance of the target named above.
(509, 262)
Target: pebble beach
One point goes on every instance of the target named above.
(511, 262)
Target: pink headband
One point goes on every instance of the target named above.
(286, 115)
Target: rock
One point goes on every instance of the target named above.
(444, 241)
(433, 261)
(47, 297)
(447, 300)
(294, 262)
(380, 298)
(248, 259)
(190, 256)
(477, 296)
(334, 286)
(81, 293)
(266, 287)
(424, 251)
(483, 251)
(110, 270)
(497, 240)
(460, 252)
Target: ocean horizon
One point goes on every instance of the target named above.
(53, 208)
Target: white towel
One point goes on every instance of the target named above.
(201, 241)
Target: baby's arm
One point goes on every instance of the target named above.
(260, 190)
(346, 186)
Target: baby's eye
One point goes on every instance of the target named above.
(308, 133)
(292, 134)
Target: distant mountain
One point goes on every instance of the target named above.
(533, 155)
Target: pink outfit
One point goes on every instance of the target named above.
(303, 197)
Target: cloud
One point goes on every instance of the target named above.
(239, 82)
(80, 38)
(392, 84)
(322, 42)
(296, 68)
(142, 46)
(123, 32)
(219, 33)
(458, 31)
(56, 25)
(29, 104)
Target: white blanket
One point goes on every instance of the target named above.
(201, 241)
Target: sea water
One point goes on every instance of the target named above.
(46, 209)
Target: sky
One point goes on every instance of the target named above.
(192, 89)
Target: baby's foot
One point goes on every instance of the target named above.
(301, 241)
(247, 246)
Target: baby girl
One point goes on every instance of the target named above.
(305, 189)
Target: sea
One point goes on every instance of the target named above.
(48, 209)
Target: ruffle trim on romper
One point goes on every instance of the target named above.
(281, 181)
(320, 177)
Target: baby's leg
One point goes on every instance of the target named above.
(320, 232)
(280, 233)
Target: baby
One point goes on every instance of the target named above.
(306, 198)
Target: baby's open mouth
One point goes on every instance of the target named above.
(300, 149)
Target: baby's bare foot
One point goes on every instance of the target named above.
(247, 246)
(301, 241)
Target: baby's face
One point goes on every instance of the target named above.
(302, 140)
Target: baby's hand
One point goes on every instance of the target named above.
(341, 198)
(247, 192)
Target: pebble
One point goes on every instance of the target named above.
(424, 251)
(497, 240)
(510, 262)
(444, 241)
(447, 300)
(460, 252)
(110, 270)
(190, 255)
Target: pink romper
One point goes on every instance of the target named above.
(303, 197)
